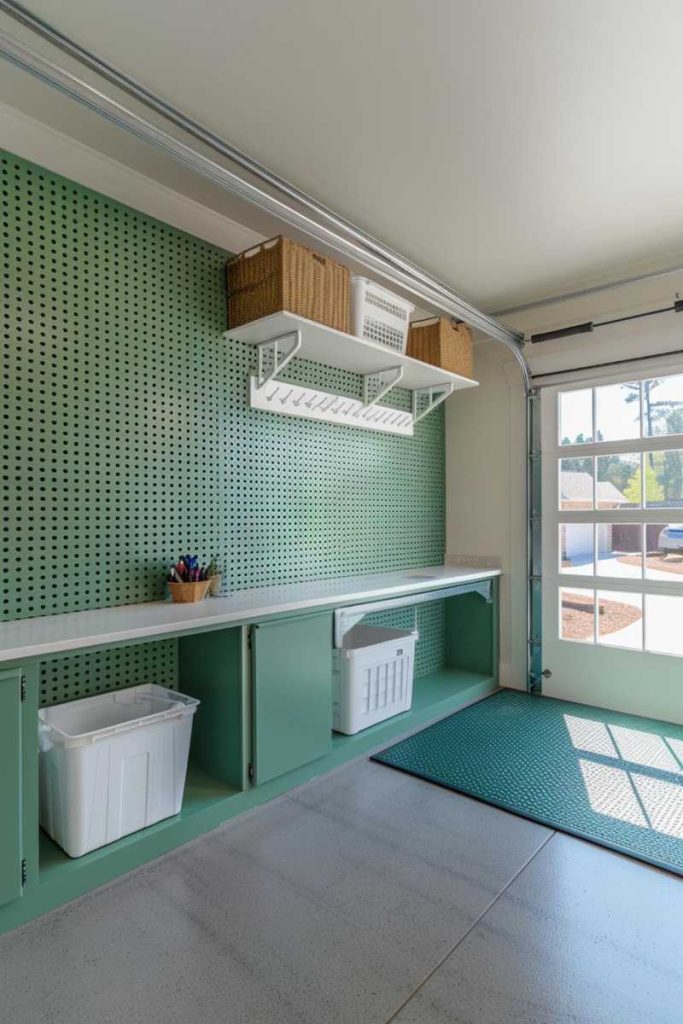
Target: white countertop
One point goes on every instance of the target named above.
(54, 634)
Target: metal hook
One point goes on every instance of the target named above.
(285, 399)
(273, 393)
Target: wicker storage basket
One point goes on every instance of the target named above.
(281, 274)
(188, 593)
(442, 342)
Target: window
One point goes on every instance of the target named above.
(619, 465)
(621, 412)
(663, 406)
(618, 481)
(576, 416)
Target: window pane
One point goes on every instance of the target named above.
(576, 548)
(663, 406)
(620, 619)
(576, 417)
(617, 412)
(664, 552)
(576, 483)
(664, 479)
(618, 483)
(664, 617)
(620, 550)
(576, 614)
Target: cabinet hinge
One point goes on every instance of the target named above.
(24, 870)
(250, 771)
(22, 688)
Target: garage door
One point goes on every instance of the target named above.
(613, 544)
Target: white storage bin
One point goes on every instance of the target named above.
(379, 315)
(372, 677)
(112, 764)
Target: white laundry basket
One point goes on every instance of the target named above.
(372, 677)
(379, 315)
(112, 764)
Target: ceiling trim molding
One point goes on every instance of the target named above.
(35, 141)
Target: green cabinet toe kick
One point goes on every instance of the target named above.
(263, 728)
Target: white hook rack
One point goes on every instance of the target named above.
(313, 404)
(310, 403)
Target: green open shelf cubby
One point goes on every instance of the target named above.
(221, 668)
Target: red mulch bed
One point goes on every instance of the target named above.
(577, 621)
(665, 563)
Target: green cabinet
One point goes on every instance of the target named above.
(292, 693)
(11, 845)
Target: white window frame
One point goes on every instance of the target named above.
(553, 517)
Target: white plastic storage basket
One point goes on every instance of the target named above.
(379, 315)
(112, 764)
(372, 677)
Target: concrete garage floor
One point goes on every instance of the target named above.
(365, 897)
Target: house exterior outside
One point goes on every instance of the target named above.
(576, 494)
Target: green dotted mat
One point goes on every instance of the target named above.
(614, 779)
(127, 435)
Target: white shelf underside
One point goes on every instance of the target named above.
(324, 345)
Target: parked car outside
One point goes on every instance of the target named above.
(671, 538)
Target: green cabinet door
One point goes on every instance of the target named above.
(292, 672)
(10, 786)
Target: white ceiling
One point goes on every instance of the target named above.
(518, 150)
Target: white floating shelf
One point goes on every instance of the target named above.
(346, 352)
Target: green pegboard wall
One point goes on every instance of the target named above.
(128, 437)
(84, 675)
(430, 653)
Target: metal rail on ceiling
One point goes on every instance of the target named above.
(322, 223)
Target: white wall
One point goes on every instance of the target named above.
(485, 487)
(485, 433)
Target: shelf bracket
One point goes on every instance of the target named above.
(433, 396)
(384, 382)
(269, 354)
